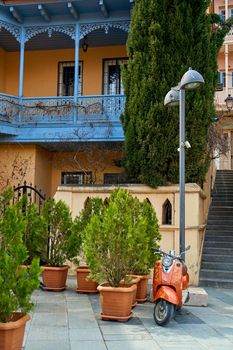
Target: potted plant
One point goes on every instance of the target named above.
(142, 257)
(16, 281)
(34, 235)
(58, 231)
(109, 246)
(84, 283)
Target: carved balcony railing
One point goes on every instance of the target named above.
(60, 110)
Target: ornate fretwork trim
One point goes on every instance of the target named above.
(12, 28)
(88, 28)
(68, 29)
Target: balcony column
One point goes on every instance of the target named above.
(226, 68)
(21, 71)
(76, 71)
(226, 10)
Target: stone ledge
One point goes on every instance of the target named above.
(198, 297)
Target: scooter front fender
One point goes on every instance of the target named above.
(167, 293)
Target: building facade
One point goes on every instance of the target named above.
(61, 92)
(225, 74)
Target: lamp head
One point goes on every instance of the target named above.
(172, 97)
(191, 80)
(229, 102)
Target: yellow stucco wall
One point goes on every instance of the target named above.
(43, 171)
(2, 70)
(43, 168)
(17, 163)
(75, 197)
(41, 70)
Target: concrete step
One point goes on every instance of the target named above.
(220, 210)
(213, 220)
(214, 265)
(216, 258)
(211, 234)
(218, 238)
(219, 244)
(218, 251)
(226, 203)
(219, 227)
(218, 274)
(213, 282)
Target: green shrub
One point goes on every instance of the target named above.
(16, 281)
(59, 223)
(114, 238)
(93, 206)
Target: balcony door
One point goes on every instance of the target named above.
(112, 80)
(66, 78)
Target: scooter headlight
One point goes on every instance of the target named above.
(167, 261)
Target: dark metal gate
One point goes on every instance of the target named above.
(32, 194)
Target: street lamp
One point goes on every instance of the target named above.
(176, 96)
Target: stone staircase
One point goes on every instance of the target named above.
(217, 256)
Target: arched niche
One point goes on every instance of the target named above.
(167, 213)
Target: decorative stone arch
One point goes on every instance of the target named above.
(86, 202)
(167, 213)
(106, 201)
(67, 29)
(148, 201)
(12, 29)
(86, 29)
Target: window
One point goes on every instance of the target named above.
(112, 77)
(114, 178)
(76, 178)
(231, 79)
(167, 213)
(222, 78)
(66, 78)
(231, 12)
(222, 15)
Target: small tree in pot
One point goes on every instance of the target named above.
(16, 281)
(58, 231)
(109, 249)
(93, 206)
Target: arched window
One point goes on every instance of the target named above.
(167, 213)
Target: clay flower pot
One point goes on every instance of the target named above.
(84, 285)
(116, 302)
(54, 278)
(142, 286)
(12, 333)
(135, 280)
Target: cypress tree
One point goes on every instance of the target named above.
(166, 38)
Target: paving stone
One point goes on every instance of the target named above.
(48, 345)
(185, 346)
(88, 345)
(119, 328)
(48, 319)
(85, 334)
(81, 320)
(143, 335)
(134, 345)
(47, 333)
(49, 307)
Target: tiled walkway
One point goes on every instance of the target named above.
(70, 321)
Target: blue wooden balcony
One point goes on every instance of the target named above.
(60, 119)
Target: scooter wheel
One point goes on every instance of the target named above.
(163, 312)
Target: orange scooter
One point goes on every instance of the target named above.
(169, 280)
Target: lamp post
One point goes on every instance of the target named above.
(176, 96)
(229, 102)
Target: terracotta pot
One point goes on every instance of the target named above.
(116, 303)
(135, 280)
(141, 296)
(84, 285)
(54, 278)
(12, 333)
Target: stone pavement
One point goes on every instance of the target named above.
(70, 321)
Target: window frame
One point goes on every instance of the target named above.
(71, 64)
(103, 72)
(83, 173)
